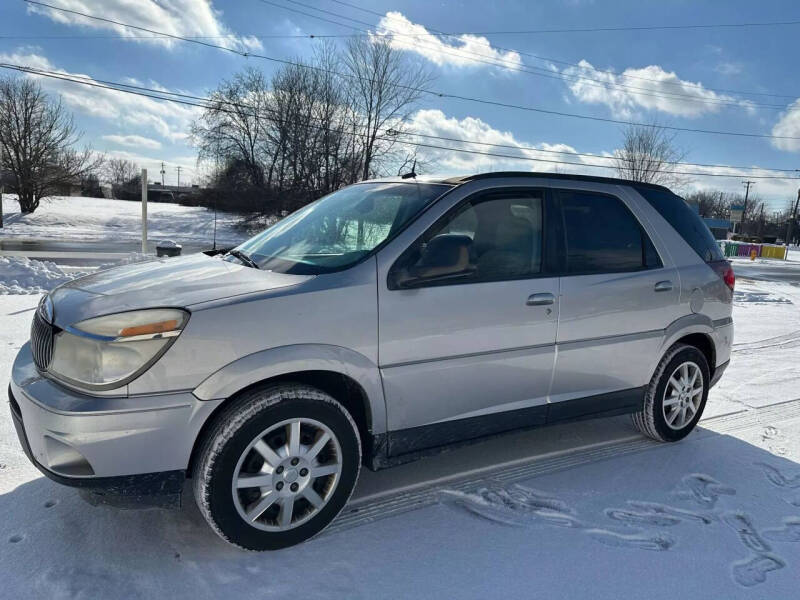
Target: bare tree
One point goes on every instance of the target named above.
(384, 89)
(233, 127)
(278, 143)
(713, 204)
(37, 144)
(649, 154)
(120, 171)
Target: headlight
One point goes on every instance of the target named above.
(108, 351)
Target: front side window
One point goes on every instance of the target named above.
(603, 236)
(486, 239)
(340, 229)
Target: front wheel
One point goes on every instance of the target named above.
(277, 466)
(677, 394)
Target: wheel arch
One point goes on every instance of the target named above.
(344, 389)
(704, 343)
(349, 377)
(694, 330)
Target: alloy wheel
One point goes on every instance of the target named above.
(287, 474)
(683, 395)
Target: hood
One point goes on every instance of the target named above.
(173, 282)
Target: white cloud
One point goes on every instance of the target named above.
(166, 119)
(190, 173)
(436, 123)
(788, 125)
(458, 51)
(729, 68)
(776, 193)
(649, 88)
(184, 18)
(133, 141)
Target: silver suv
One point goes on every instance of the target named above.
(381, 323)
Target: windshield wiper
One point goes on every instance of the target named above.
(244, 258)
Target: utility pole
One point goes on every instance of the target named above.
(163, 171)
(792, 219)
(144, 211)
(746, 194)
(178, 169)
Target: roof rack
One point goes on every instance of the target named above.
(545, 175)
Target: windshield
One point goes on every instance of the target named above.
(338, 230)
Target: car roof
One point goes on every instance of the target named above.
(461, 179)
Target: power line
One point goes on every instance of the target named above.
(157, 94)
(436, 32)
(119, 23)
(511, 65)
(388, 136)
(232, 37)
(598, 29)
(445, 94)
(160, 94)
(461, 53)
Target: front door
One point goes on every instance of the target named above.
(471, 355)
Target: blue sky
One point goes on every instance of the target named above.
(671, 76)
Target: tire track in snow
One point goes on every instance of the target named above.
(779, 342)
(427, 493)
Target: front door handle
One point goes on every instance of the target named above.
(663, 286)
(544, 299)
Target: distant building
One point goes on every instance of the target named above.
(169, 193)
(719, 227)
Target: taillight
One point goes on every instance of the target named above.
(724, 269)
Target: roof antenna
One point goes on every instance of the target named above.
(411, 174)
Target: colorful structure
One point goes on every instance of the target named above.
(731, 248)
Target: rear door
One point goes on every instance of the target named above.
(474, 355)
(618, 294)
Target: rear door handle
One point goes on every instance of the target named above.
(663, 286)
(544, 299)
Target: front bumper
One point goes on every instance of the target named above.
(111, 447)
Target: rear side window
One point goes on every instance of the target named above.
(602, 236)
(685, 221)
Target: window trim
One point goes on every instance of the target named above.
(558, 194)
(477, 197)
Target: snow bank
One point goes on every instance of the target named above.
(78, 218)
(25, 276)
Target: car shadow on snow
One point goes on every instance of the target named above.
(712, 490)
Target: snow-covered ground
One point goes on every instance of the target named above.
(583, 510)
(76, 218)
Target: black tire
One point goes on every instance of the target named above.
(233, 431)
(651, 420)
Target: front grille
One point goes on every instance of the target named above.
(41, 342)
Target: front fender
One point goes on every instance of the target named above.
(284, 360)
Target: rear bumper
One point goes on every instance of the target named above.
(120, 450)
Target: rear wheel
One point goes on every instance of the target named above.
(277, 467)
(676, 396)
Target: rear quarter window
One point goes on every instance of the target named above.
(685, 221)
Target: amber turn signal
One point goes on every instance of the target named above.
(150, 328)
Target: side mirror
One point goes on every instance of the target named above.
(445, 256)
